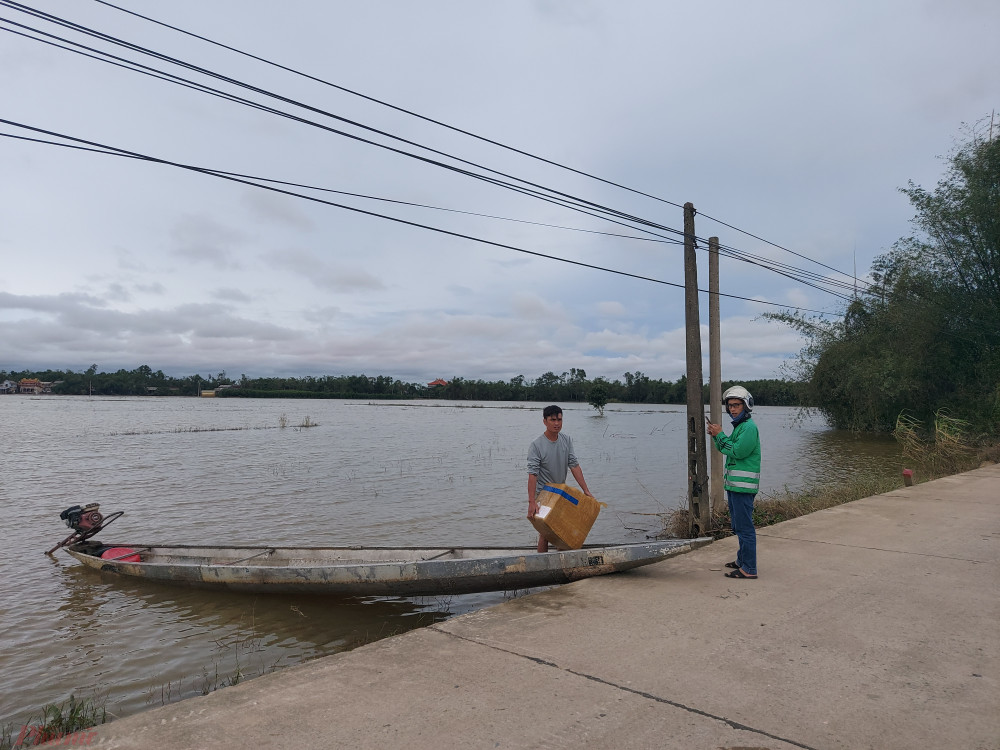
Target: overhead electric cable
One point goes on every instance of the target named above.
(137, 67)
(128, 65)
(219, 172)
(792, 271)
(100, 147)
(171, 78)
(773, 244)
(663, 240)
(458, 130)
(190, 66)
(403, 110)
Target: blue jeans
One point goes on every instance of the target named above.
(741, 519)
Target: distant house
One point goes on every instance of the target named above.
(8, 386)
(30, 385)
(437, 382)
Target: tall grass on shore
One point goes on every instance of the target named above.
(65, 723)
(946, 448)
(781, 506)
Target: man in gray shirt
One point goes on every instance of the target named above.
(550, 457)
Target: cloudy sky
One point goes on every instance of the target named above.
(793, 122)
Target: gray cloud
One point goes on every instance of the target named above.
(796, 122)
(203, 239)
(328, 276)
(230, 294)
(277, 208)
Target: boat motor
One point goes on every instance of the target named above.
(82, 519)
(85, 521)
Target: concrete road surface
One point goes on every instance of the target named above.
(875, 624)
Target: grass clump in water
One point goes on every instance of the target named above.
(946, 448)
(306, 422)
(67, 723)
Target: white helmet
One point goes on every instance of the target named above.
(738, 391)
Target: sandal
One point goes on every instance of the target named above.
(733, 565)
(739, 574)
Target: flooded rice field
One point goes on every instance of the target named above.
(301, 472)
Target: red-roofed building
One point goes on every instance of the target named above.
(437, 382)
(30, 385)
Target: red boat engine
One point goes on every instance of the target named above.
(83, 519)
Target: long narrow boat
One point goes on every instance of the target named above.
(369, 571)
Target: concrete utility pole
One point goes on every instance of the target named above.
(698, 518)
(718, 498)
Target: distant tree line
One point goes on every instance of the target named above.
(141, 381)
(572, 386)
(632, 388)
(924, 338)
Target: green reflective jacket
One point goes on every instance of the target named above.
(742, 452)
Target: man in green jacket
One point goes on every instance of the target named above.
(741, 477)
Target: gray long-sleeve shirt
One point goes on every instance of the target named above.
(551, 461)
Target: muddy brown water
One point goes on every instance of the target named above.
(225, 471)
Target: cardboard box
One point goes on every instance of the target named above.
(565, 515)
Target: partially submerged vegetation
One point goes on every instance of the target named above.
(788, 504)
(70, 723)
(947, 447)
(65, 723)
(282, 424)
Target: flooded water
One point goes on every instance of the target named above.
(232, 471)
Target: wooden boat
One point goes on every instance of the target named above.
(369, 571)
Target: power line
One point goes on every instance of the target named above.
(383, 103)
(854, 278)
(96, 147)
(204, 71)
(784, 269)
(138, 68)
(662, 240)
(459, 130)
(200, 87)
(575, 203)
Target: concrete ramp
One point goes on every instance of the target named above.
(872, 625)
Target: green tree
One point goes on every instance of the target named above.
(925, 335)
(598, 398)
(546, 387)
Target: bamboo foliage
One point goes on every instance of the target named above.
(923, 337)
(946, 448)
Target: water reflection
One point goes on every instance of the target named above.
(145, 641)
(854, 454)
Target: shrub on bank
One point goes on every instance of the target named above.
(946, 448)
(772, 509)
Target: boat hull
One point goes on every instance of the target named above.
(374, 571)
